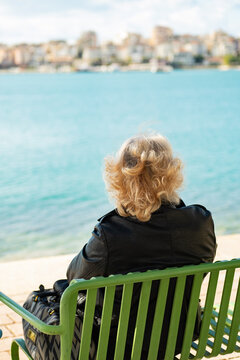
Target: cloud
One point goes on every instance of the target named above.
(46, 20)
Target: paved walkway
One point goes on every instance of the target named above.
(47, 270)
(11, 327)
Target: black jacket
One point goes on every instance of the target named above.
(174, 236)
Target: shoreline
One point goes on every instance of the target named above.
(24, 276)
(5, 259)
(122, 69)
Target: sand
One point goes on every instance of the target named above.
(26, 275)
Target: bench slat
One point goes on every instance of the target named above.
(212, 285)
(235, 323)
(87, 324)
(158, 319)
(175, 317)
(67, 316)
(123, 321)
(141, 320)
(223, 311)
(192, 313)
(105, 322)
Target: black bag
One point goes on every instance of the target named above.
(44, 304)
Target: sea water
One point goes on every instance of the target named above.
(56, 129)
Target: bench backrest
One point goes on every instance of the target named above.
(220, 342)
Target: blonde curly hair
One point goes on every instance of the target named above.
(143, 175)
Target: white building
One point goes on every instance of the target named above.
(165, 51)
(38, 55)
(109, 52)
(91, 54)
(134, 53)
(148, 52)
(59, 52)
(183, 58)
(220, 43)
(222, 48)
(195, 48)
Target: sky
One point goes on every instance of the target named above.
(44, 20)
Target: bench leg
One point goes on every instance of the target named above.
(16, 344)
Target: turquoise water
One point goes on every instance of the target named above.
(55, 130)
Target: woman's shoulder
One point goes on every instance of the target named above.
(107, 215)
(195, 210)
(192, 207)
(194, 219)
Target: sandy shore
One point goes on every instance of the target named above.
(19, 278)
(26, 275)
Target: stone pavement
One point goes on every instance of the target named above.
(47, 270)
(11, 326)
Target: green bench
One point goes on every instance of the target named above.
(220, 329)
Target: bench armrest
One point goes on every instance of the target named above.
(32, 319)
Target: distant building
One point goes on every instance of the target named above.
(195, 48)
(137, 53)
(132, 39)
(220, 43)
(226, 47)
(38, 55)
(163, 46)
(22, 55)
(186, 38)
(165, 51)
(87, 39)
(58, 52)
(148, 52)
(6, 56)
(122, 52)
(109, 52)
(160, 34)
(134, 49)
(238, 45)
(183, 59)
(134, 53)
(91, 54)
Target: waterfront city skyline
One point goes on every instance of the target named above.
(111, 19)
